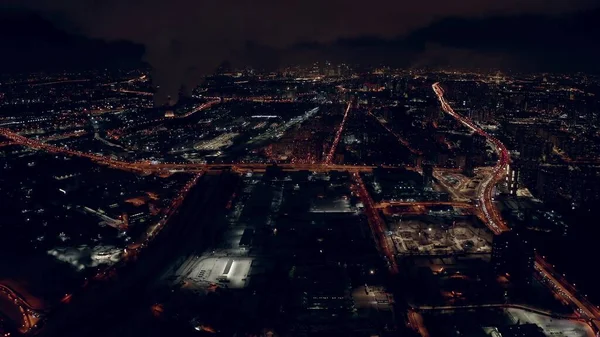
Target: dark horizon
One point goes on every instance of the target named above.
(561, 41)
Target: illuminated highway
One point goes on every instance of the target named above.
(495, 222)
(150, 167)
(415, 320)
(485, 194)
(90, 304)
(30, 315)
(493, 305)
(135, 79)
(338, 135)
(437, 174)
(378, 227)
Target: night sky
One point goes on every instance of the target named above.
(183, 39)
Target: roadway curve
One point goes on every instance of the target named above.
(30, 315)
(495, 222)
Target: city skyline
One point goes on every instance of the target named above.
(514, 35)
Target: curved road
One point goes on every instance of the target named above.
(495, 222)
(30, 315)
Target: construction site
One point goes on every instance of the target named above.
(426, 235)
